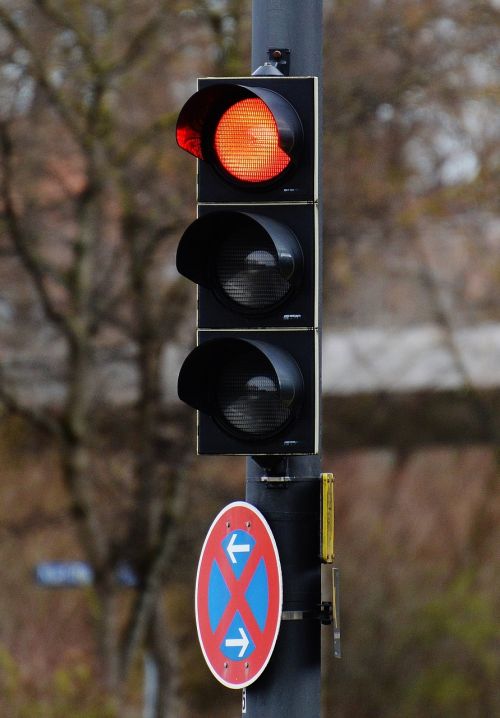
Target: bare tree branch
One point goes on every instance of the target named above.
(40, 419)
(142, 39)
(141, 140)
(174, 304)
(23, 245)
(40, 74)
(444, 322)
(84, 42)
(147, 596)
(35, 520)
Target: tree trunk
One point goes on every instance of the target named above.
(164, 651)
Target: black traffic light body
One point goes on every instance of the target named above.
(204, 255)
(253, 253)
(259, 427)
(299, 182)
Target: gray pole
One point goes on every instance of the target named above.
(293, 24)
(151, 681)
(290, 687)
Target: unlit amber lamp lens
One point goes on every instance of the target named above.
(247, 142)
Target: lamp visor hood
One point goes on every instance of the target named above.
(203, 111)
(203, 375)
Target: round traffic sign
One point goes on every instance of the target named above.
(239, 595)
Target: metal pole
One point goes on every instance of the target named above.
(290, 686)
(151, 681)
(293, 24)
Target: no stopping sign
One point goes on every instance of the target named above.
(239, 595)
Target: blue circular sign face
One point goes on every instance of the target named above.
(238, 595)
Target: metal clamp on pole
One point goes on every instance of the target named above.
(278, 63)
(279, 482)
(298, 615)
(324, 613)
(280, 58)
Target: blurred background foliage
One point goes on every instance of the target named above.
(97, 457)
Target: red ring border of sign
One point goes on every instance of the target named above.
(236, 674)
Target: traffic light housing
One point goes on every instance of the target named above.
(254, 265)
(256, 137)
(253, 253)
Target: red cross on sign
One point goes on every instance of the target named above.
(239, 595)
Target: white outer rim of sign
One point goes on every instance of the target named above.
(259, 515)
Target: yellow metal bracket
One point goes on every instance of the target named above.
(327, 518)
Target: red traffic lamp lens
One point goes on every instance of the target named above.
(246, 142)
(251, 136)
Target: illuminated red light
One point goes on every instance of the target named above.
(247, 142)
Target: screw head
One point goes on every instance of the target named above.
(277, 55)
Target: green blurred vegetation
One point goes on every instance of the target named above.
(71, 692)
(416, 655)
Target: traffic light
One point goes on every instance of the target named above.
(253, 253)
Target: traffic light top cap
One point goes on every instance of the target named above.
(251, 134)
